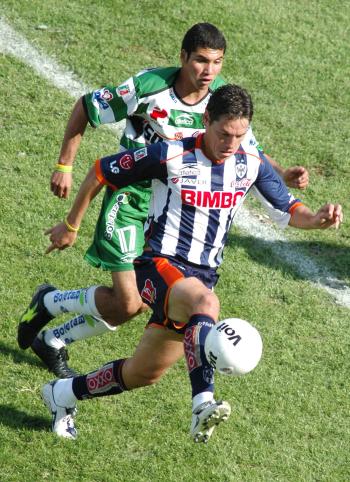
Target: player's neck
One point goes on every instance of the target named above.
(187, 92)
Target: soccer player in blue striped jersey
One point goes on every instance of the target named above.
(157, 104)
(198, 183)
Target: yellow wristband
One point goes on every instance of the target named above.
(63, 168)
(70, 228)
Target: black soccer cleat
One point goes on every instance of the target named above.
(54, 359)
(34, 318)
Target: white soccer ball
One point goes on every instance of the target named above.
(233, 347)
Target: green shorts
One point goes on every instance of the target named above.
(119, 236)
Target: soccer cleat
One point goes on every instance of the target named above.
(206, 417)
(62, 417)
(34, 318)
(55, 359)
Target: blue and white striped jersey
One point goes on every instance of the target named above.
(194, 200)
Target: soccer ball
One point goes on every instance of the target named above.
(233, 347)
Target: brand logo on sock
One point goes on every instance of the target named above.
(66, 295)
(62, 330)
(102, 380)
(190, 349)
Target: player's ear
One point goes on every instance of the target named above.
(183, 56)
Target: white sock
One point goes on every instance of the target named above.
(78, 328)
(75, 301)
(63, 393)
(201, 398)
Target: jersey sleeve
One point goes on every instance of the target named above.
(134, 165)
(112, 104)
(271, 191)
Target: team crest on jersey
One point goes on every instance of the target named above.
(126, 162)
(241, 170)
(107, 95)
(140, 154)
(149, 292)
(184, 120)
(178, 136)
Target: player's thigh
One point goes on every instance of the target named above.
(126, 299)
(189, 296)
(158, 350)
(124, 284)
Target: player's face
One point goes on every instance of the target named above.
(202, 66)
(223, 137)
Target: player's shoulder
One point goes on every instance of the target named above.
(152, 80)
(251, 147)
(217, 82)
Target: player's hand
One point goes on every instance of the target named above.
(329, 215)
(60, 237)
(61, 184)
(296, 176)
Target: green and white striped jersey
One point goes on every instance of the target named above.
(149, 104)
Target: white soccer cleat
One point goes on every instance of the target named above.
(62, 417)
(206, 417)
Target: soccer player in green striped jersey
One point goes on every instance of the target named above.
(156, 104)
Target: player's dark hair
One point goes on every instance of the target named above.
(205, 36)
(232, 101)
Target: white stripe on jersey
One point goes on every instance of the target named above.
(201, 219)
(163, 191)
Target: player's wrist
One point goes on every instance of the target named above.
(65, 168)
(70, 227)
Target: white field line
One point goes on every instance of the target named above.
(14, 44)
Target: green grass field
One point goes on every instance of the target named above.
(290, 419)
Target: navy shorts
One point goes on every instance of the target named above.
(155, 276)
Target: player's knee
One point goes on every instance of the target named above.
(207, 302)
(130, 306)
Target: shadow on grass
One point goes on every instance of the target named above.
(20, 356)
(300, 259)
(14, 418)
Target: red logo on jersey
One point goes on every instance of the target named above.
(149, 293)
(209, 199)
(178, 136)
(126, 162)
(107, 95)
(158, 113)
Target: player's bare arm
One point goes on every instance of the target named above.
(295, 176)
(64, 234)
(329, 215)
(61, 179)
